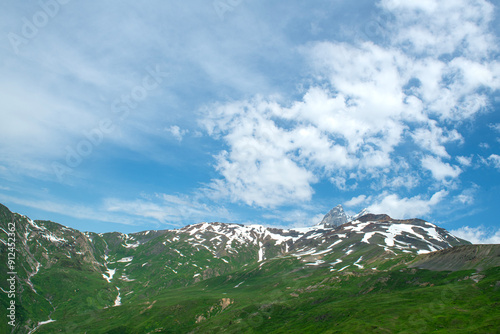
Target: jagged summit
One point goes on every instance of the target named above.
(360, 214)
(133, 269)
(337, 216)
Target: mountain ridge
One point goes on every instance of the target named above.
(127, 269)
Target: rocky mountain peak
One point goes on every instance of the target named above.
(335, 217)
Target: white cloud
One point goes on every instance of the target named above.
(357, 200)
(494, 160)
(293, 218)
(484, 145)
(433, 138)
(70, 210)
(403, 208)
(465, 199)
(170, 210)
(496, 127)
(177, 132)
(83, 62)
(167, 209)
(443, 27)
(478, 235)
(439, 169)
(408, 181)
(467, 196)
(342, 183)
(464, 161)
(365, 100)
(262, 166)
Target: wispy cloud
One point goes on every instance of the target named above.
(169, 210)
(177, 132)
(161, 210)
(478, 235)
(248, 111)
(494, 160)
(72, 210)
(415, 207)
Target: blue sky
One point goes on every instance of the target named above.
(126, 116)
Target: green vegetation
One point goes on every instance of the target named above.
(171, 282)
(308, 301)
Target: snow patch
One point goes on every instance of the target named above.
(171, 269)
(111, 273)
(261, 252)
(335, 243)
(178, 252)
(317, 263)
(344, 268)
(32, 223)
(118, 300)
(137, 244)
(322, 252)
(53, 238)
(357, 263)
(367, 237)
(126, 279)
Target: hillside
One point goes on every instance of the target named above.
(466, 257)
(366, 275)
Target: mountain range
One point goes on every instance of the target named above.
(366, 274)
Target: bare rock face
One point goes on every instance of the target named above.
(335, 217)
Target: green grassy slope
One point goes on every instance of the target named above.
(309, 300)
(190, 282)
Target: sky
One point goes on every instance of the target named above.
(129, 116)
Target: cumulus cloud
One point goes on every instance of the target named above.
(400, 208)
(366, 100)
(434, 138)
(439, 169)
(262, 166)
(478, 235)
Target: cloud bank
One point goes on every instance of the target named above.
(383, 111)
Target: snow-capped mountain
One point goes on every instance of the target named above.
(127, 267)
(335, 217)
